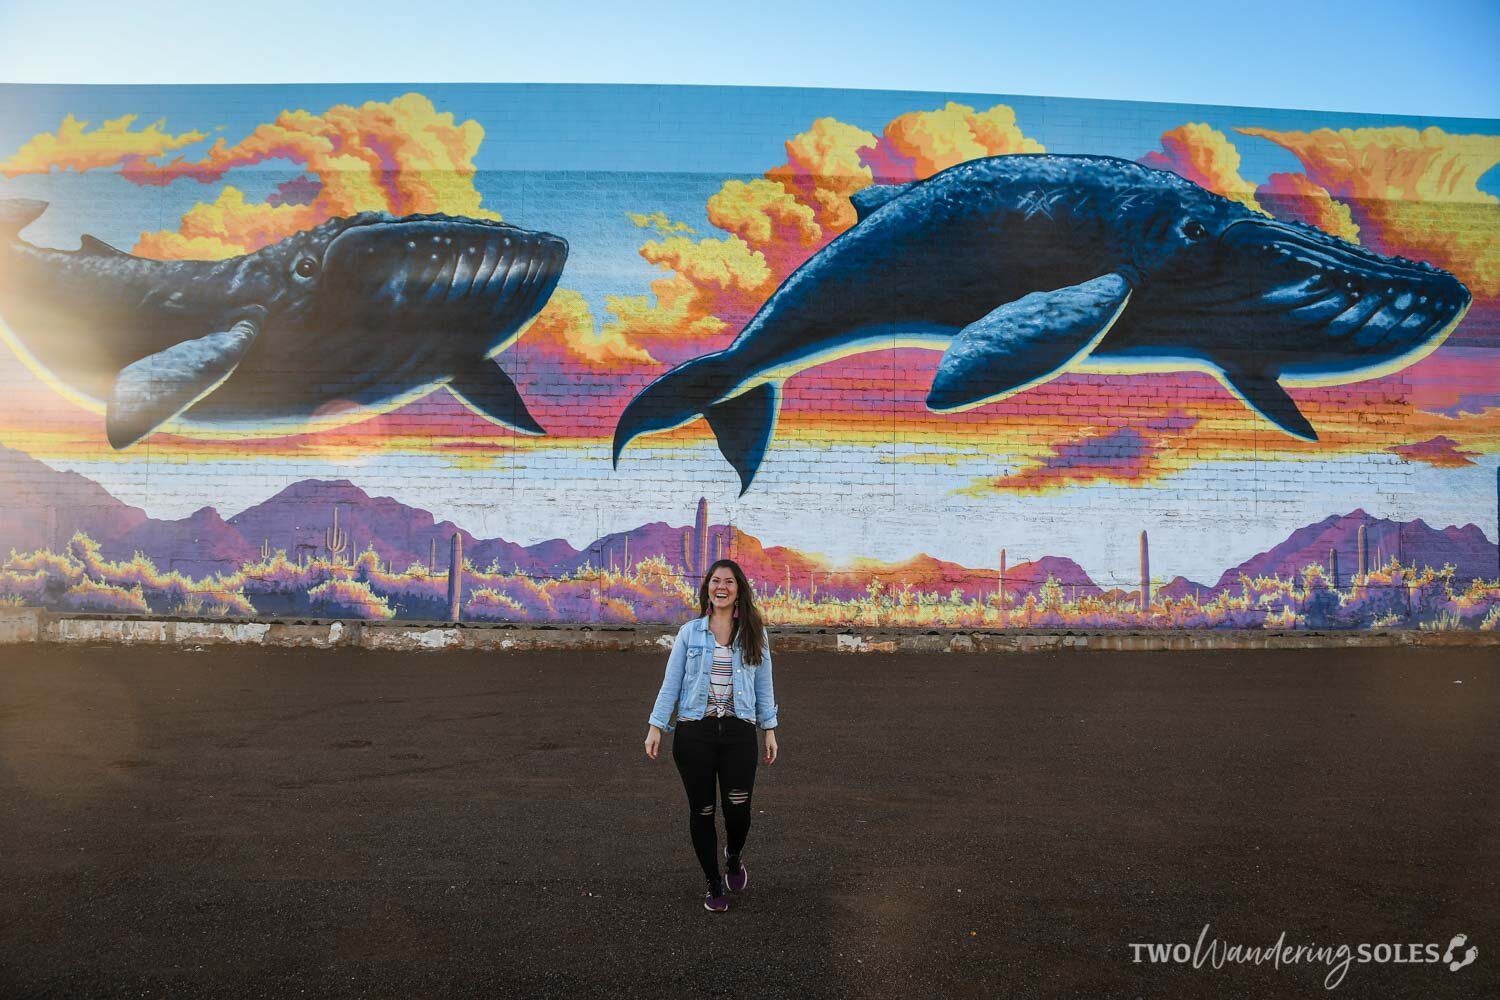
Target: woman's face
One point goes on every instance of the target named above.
(722, 590)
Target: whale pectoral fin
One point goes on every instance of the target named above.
(1263, 394)
(867, 200)
(98, 248)
(489, 390)
(743, 426)
(1026, 342)
(149, 392)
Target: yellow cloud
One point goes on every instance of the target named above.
(824, 168)
(1294, 196)
(1205, 156)
(659, 222)
(73, 146)
(937, 140)
(567, 324)
(400, 156)
(1413, 193)
(761, 211)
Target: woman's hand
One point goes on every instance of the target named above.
(653, 741)
(770, 755)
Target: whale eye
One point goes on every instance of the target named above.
(306, 267)
(1195, 230)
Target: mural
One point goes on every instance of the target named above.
(970, 359)
(1019, 267)
(354, 313)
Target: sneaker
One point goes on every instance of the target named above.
(736, 875)
(715, 901)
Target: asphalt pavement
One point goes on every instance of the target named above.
(284, 823)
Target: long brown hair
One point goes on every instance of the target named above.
(748, 626)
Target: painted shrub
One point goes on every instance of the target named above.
(957, 357)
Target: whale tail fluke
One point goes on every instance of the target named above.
(743, 424)
(18, 213)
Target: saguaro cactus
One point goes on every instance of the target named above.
(265, 550)
(432, 556)
(335, 541)
(1000, 594)
(1361, 554)
(1145, 575)
(455, 577)
(700, 538)
(1333, 567)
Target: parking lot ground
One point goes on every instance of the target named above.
(284, 822)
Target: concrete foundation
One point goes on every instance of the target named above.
(29, 625)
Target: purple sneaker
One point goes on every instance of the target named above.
(715, 901)
(736, 875)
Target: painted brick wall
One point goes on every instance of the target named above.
(1134, 365)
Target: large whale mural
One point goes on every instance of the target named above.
(355, 312)
(1020, 267)
(973, 362)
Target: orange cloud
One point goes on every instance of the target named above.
(400, 156)
(765, 216)
(710, 283)
(1412, 193)
(918, 144)
(227, 227)
(1442, 452)
(1123, 454)
(823, 168)
(1293, 196)
(1205, 156)
(565, 327)
(74, 147)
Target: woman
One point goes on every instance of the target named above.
(718, 689)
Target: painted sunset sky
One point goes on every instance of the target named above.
(684, 208)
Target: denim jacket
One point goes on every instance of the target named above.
(684, 689)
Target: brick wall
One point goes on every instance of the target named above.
(1099, 468)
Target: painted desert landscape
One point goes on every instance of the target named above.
(327, 549)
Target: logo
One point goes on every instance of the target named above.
(1336, 958)
(1459, 940)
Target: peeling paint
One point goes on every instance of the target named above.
(239, 633)
(24, 625)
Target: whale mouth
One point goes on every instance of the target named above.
(445, 275)
(1353, 303)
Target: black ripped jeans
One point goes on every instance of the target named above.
(721, 750)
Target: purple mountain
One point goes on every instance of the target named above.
(299, 518)
(199, 545)
(1179, 587)
(42, 508)
(1413, 542)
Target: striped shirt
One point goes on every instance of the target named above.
(721, 682)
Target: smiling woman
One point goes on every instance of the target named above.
(718, 688)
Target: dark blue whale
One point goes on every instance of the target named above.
(1022, 267)
(357, 313)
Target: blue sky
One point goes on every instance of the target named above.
(1376, 56)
